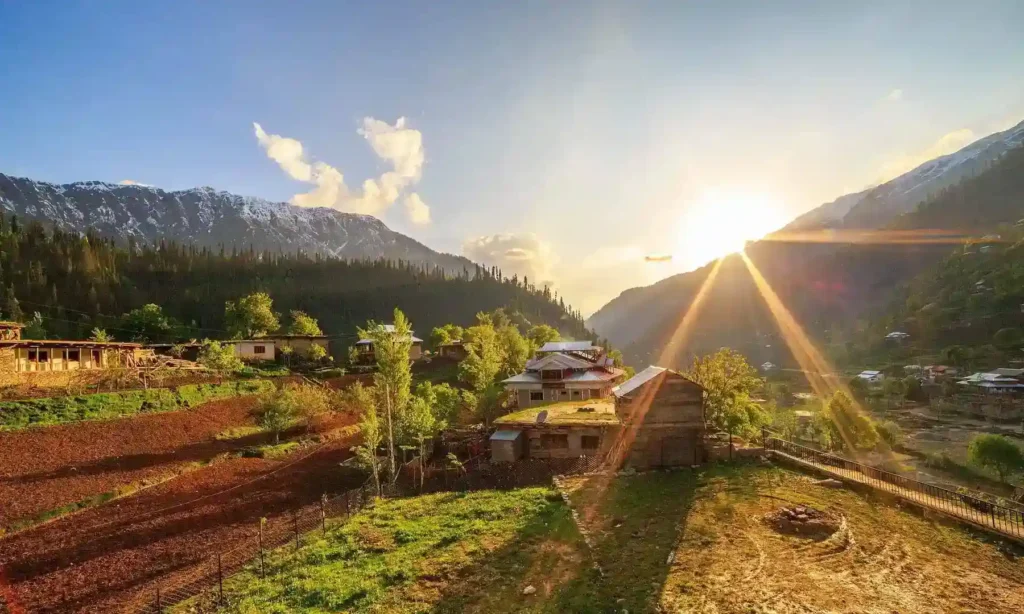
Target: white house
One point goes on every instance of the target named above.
(564, 371)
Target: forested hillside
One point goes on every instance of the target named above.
(78, 282)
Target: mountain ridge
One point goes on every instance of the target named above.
(811, 278)
(213, 218)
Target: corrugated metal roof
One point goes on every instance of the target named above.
(568, 346)
(558, 361)
(505, 435)
(523, 378)
(637, 380)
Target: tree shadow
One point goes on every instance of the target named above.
(634, 524)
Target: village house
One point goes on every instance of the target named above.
(558, 430)
(300, 344)
(564, 371)
(54, 362)
(662, 415)
(992, 383)
(364, 347)
(655, 419)
(249, 350)
(455, 350)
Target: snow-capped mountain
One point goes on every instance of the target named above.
(881, 204)
(205, 216)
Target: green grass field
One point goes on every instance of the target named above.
(682, 541)
(449, 552)
(106, 405)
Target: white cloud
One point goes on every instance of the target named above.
(416, 209)
(133, 182)
(396, 144)
(894, 96)
(947, 144)
(524, 254)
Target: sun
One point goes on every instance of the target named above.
(721, 222)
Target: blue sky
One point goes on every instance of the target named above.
(562, 139)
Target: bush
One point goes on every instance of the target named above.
(890, 433)
(997, 453)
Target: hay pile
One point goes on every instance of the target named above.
(804, 521)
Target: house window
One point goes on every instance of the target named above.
(33, 355)
(97, 357)
(259, 349)
(536, 395)
(44, 356)
(576, 394)
(555, 442)
(590, 442)
(551, 374)
(74, 355)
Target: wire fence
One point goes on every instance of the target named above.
(204, 582)
(999, 518)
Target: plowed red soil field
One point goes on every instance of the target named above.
(45, 468)
(108, 556)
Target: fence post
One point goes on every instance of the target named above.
(263, 562)
(323, 513)
(159, 607)
(220, 580)
(764, 438)
(295, 525)
(730, 443)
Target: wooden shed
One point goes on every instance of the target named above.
(662, 416)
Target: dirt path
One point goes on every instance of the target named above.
(102, 558)
(45, 468)
(1009, 527)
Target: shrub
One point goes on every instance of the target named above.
(890, 433)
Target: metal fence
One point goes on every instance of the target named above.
(1001, 518)
(204, 582)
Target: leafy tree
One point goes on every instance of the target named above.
(727, 379)
(35, 329)
(542, 333)
(99, 335)
(360, 400)
(913, 390)
(515, 350)
(303, 324)
(445, 334)
(890, 433)
(446, 401)
(483, 359)
(220, 358)
(12, 309)
(286, 354)
(852, 428)
(316, 353)
(393, 378)
(148, 324)
(251, 316)
(422, 423)
(956, 355)
(858, 388)
(311, 401)
(996, 452)
(275, 411)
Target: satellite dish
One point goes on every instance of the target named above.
(542, 416)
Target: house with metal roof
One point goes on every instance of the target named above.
(364, 347)
(564, 371)
(662, 416)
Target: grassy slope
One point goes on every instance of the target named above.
(106, 405)
(476, 552)
(727, 560)
(448, 552)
